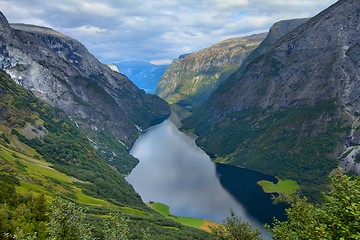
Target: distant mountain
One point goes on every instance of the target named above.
(191, 78)
(291, 111)
(60, 70)
(144, 75)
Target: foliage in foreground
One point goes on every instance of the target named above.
(21, 216)
(338, 217)
(235, 229)
(67, 221)
(30, 217)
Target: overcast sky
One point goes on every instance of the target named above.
(156, 30)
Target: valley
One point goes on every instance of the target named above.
(198, 149)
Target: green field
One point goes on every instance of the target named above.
(42, 178)
(283, 186)
(188, 221)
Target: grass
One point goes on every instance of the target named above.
(133, 211)
(164, 210)
(188, 221)
(91, 201)
(160, 208)
(221, 160)
(283, 186)
(207, 224)
(41, 178)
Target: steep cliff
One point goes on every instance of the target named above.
(289, 112)
(61, 71)
(191, 78)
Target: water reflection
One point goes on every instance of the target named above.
(174, 171)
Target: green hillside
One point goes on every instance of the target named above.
(43, 153)
(272, 144)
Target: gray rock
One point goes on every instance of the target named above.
(317, 61)
(61, 71)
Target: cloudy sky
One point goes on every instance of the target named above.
(156, 30)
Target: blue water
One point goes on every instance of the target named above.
(176, 172)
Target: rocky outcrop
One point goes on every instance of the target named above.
(61, 71)
(316, 62)
(191, 78)
(276, 32)
(288, 113)
(113, 67)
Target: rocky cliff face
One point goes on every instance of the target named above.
(316, 62)
(276, 32)
(289, 112)
(191, 78)
(61, 71)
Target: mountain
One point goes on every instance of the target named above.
(60, 70)
(143, 74)
(191, 78)
(291, 112)
(44, 155)
(277, 31)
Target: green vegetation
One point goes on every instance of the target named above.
(43, 155)
(160, 208)
(192, 79)
(63, 145)
(67, 222)
(282, 186)
(296, 143)
(337, 217)
(221, 160)
(192, 222)
(235, 228)
(114, 151)
(197, 85)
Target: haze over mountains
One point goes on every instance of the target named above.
(143, 74)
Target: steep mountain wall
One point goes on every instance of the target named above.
(61, 71)
(191, 78)
(290, 111)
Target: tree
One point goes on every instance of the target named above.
(235, 228)
(67, 222)
(338, 217)
(116, 227)
(22, 216)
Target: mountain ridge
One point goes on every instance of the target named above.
(290, 111)
(61, 71)
(76, 69)
(191, 78)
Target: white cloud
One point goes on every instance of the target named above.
(160, 61)
(88, 31)
(155, 29)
